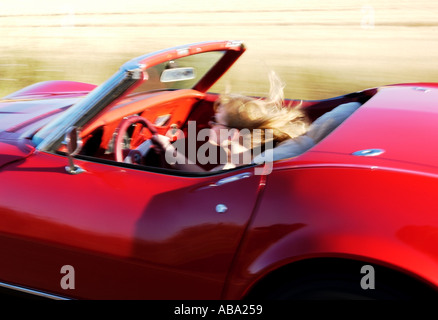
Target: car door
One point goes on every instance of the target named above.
(119, 231)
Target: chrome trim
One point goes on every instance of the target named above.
(425, 90)
(137, 73)
(161, 120)
(183, 51)
(226, 180)
(368, 152)
(234, 43)
(239, 176)
(32, 292)
(74, 169)
(221, 208)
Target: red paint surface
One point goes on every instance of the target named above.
(132, 233)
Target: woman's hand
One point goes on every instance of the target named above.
(162, 142)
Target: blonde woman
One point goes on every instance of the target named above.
(244, 126)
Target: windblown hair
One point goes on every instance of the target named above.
(243, 112)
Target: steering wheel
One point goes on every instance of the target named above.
(120, 134)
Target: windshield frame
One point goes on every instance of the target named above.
(131, 75)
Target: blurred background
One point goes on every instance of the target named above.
(320, 48)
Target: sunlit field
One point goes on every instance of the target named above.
(320, 49)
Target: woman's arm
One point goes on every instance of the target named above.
(179, 161)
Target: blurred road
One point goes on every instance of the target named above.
(320, 48)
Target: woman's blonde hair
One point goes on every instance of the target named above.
(243, 112)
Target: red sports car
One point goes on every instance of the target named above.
(348, 210)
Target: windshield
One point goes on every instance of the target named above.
(178, 71)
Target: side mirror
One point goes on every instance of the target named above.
(73, 143)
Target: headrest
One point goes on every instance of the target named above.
(329, 121)
(318, 130)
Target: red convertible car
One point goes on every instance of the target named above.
(346, 211)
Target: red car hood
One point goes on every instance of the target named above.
(34, 105)
(401, 120)
(17, 114)
(13, 150)
(22, 115)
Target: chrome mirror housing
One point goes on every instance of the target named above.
(73, 142)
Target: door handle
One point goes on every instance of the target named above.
(230, 179)
(226, 180)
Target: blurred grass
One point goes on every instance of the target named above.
(320, 48)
